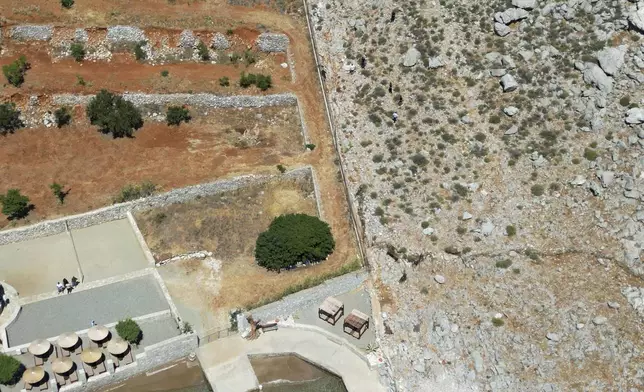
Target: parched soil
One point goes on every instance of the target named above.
(226, 142)
(95, 167)
(228, 225)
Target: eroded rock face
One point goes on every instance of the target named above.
(503, 171)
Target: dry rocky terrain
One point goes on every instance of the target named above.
(503, 209)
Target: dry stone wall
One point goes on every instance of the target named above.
(119, 211)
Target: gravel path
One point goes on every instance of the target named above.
(310, 297)
(74, 312)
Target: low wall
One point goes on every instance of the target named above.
(119, 211)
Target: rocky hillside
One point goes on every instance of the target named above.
(503, 209)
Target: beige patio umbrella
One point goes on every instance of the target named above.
(98, 333)
(91, 355)
(39, 347)
(67, 340)
(33, 375)
(117, 346)
(62, 365)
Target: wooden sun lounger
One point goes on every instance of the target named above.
(60, 380)
(28, 386)
(331, 310)
(127, 359)
(38, 360)
(116, 361)
(44, 386)
(100, 368)
(73, 377)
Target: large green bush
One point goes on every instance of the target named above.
(14, 204)
(15, 71)
(9, 118)
(177, 114)
(129, 330)
(113, 114)
(291, 239)
(263, 82)
(10, 370)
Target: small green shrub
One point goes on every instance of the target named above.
(537, 190)
(63, 116)
(224, 81)
(129, 331)
(625, 101)
(263, 82)
(133, 192)
(10, 370)
(67, 3)
(14, 204)
(15, 71)
(495, 119)
(165, 73)
(78, 51)
(590, 154)
(9, 118)
(497, 322)
(511, 230)
(505, 263)
(202, 50)
(139, 53)
(58, 192)
(281, 168)
(461, 230)
(452, 250)
(310, 146)
(424, 290)
(177, 114)
(419, 159)
(249, 57)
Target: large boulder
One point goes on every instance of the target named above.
(511, 15)
(501, 29)
(612, 59)
(509, 83)
(595, 76)
(435, 62)
(635, 116)
(525, 4)
(637, 19)
(411, 57)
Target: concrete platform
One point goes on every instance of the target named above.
(224, 365)
(34, 266)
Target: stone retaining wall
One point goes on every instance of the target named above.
(201, 100)
(119, 211)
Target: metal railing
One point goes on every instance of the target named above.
(212, 335)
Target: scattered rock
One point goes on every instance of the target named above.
(611, 59)
(580, 325)
(636, 19)
(428, 231)
(513, 129)
(525, 4)
(501, 29)
(600, 320)
(596, 77)
(435, 62)
(634, 116)
(467, 216)
(613, 305)
(219, 42)
(272, 42)
(440, 279)
(607, 178)
(487, 228)
(509, 83)
(511, 15)
(498, 72)
(510, 111)
(553, 337)
(411, 57)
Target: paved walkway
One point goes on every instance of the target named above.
(34, 266)
(312, 297)
(74, 312)
(225, 361)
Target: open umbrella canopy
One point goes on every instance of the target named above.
(117, 346)
(33, 375)
(98, 333)
(39, 347)
(62, 365)
(91, 355)
(67, 340)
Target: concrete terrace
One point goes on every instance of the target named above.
(102, 251)
(225, 361)
(74, 312)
